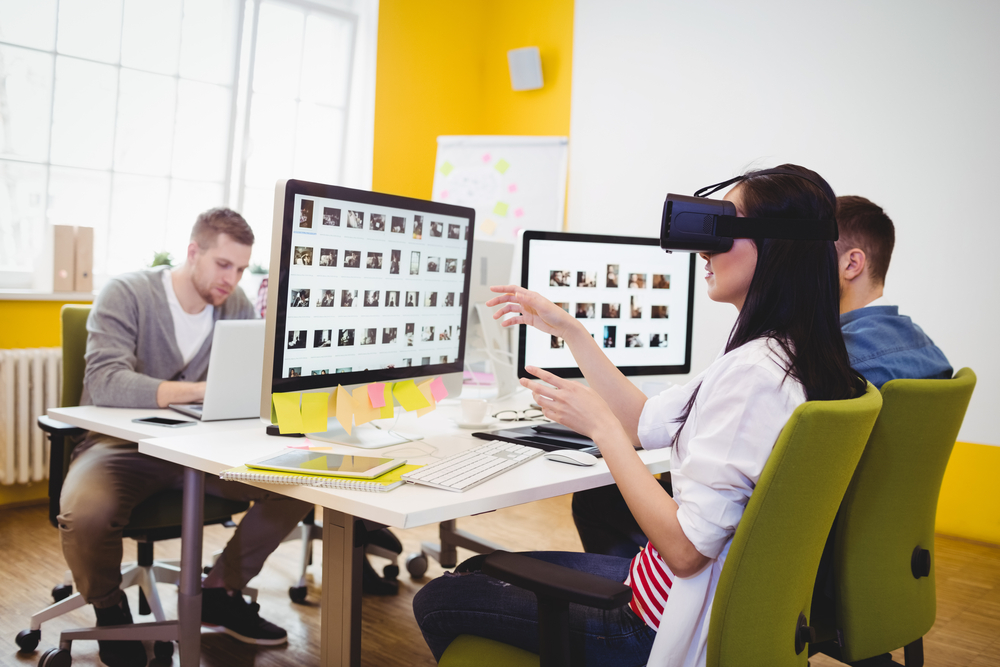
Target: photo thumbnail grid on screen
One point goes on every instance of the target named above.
(371, 287)
(632, 297)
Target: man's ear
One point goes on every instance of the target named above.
(852, 263)
(192, 251)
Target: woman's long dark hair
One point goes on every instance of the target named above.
(794, 295)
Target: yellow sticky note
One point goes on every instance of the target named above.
(448, 167)
(286, 408)
(387, 410)
(500, 209)
(501, 166)
(488, 227)
(409, 396)
(428, 393)
(318, 463)
(314, 412)
(345, 408)
(363, 410)
(274, 415)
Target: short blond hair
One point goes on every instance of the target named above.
(217, 221)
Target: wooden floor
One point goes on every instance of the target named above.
(967, 632)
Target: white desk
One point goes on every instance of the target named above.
(208, 450)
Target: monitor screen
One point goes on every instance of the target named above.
(634, 299)
(369, 287)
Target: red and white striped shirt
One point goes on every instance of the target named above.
(650, 580)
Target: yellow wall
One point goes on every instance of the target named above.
(442, 69)
(969, 505)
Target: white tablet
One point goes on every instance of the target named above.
(308, 462)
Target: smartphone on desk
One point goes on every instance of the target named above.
(164, 421)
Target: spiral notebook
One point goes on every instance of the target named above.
(380, 484)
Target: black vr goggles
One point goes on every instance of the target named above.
(698, 224)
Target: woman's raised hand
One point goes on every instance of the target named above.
(533, 308)
(571, 404)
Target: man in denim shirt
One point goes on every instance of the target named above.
(882, 344)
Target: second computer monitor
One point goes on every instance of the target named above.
(634, 299)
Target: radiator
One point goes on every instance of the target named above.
(29, 385)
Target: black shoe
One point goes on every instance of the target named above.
(238, 618)
(372, 584)
(124, 653)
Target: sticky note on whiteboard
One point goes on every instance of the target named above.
(488, 227)
(500, 209)
(502, 165)
(447, 168)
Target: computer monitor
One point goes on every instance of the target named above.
(636, 300)
(364, 287)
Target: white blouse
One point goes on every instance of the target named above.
(744, 402)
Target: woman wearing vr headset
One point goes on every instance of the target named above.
(785, 348)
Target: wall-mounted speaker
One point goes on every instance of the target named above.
(525, 68)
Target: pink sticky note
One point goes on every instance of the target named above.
(438, 390)
(444, 194)
(303, 446)
(518, 212)
(517, 230)
(486, 157)
(512, 187)
(376, 394)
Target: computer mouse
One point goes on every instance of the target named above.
(572, 457)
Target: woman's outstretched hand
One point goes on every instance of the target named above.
(570, 403)
(533, 308)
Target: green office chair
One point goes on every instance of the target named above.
(158, 518)
(764, 592)
(883, 542)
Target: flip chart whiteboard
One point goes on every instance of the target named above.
(514, 183)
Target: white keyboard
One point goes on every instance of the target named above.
(475, 466)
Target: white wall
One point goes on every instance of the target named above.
(897, 101)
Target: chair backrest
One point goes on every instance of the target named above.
(766, 584)
(888, 513)
(74, 345)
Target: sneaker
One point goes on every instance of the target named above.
(124, 653)
(238, 618)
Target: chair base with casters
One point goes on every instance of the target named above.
(379, 541)
(157, 518)
(445, 551)
(555, 587)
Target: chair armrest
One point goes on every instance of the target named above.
(555, 581)
(58, 458)
(53, 427)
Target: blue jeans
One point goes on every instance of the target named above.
(469, 602)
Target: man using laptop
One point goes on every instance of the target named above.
(148, 345)
(882, 345)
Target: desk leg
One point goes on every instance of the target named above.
(189, 597)
(343, 551)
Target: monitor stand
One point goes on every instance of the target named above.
(366, 436)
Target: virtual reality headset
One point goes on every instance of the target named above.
(699, 224)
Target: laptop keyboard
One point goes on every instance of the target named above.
(475, 466)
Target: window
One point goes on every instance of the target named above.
(133, 116)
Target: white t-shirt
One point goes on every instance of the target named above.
(742, 406)
(189, 330)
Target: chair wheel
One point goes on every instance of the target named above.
(416, 565)
(61, 592)
(298, 594)
(390, 572)
(55, 657)
(27, 640)
(207, 569)
(163, 650)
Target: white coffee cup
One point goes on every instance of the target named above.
(474, 410)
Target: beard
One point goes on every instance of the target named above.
(206, 292)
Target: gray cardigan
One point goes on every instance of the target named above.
(131, 344)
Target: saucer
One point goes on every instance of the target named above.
(474, 426)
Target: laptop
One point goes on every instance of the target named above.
(232, 390)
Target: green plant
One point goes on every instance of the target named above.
(162, 258)
(258, 269)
